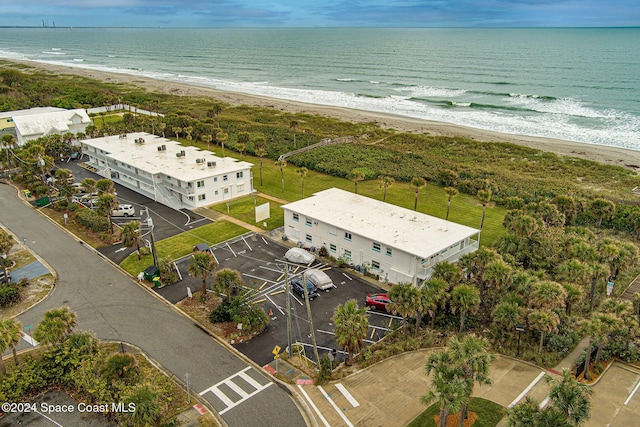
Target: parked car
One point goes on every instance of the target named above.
(124, 210)
(377, 302)
(296, 286)
(299, 256)
(319, 278)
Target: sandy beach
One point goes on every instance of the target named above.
(609, 155)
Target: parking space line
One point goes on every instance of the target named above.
(342, 415)
(265, 241)
(259, 278)
(348, 395)
(626, 402)
(277, 292)
(229, 246)
(52, 420)
(246, 243)
(276, 305)
(526, 390)
(313, 405)
(263, 285)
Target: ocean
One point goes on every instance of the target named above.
(574, 84)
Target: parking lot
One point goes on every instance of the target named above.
(262, 264)
(264, 270)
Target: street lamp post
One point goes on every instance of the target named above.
(153, 240)
(520, 329)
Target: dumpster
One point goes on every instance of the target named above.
(151, 273)
(42, 201)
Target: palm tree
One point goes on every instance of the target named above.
(471, 355)
(243, 140)
(448, 271)
(497, 276)
(207, 139)
(545, 321)
(451, 193)
(188, 130)
(177, 130)
(9, 338)
(130, 236)
(506, 316)
(356, 175)
(260, 152)
(162, 126)
(407, 302)
(448, 387)
(293, 126)
(432, 295)
(214, 111)
(570, 397)
(302, 171)
(227, 280)
(465, 299)
(385, 182)
(221, 137)
(574, 295)
(417, 183)
(6, 243)
(350, 326)
(56, 326)
(89, 185)
(202, 265)
(485, 197)
(602, 209)
(107, 203)
(148, 406)
(281, 163)
(105, 186)
(599, 273)
(548, 295)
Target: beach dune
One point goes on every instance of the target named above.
(604, 154)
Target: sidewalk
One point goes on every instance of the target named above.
(570, 359)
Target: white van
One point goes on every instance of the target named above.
(124, 210)
(319, 278)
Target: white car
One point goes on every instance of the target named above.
(124, 210)
(319, 278)
(299, 256)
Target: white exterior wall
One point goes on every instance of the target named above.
(176, 182)
(395, 243)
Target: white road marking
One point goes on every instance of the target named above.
(526, 390)
(28, 339)
(632, 392)
(342, 415)
(236, 388)
(348, 395)
(313, 405)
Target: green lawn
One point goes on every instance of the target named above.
(183, 243)
(489, 414)
(244, 210)
(432, 200)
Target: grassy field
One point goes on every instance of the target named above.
(244, 210)
(183, 243)
(489, 414)
(432, 200)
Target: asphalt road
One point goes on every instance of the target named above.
(110, 304)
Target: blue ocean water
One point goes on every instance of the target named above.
(574, 84)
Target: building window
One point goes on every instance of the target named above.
(226, 191)
(225, 177)
(309, 238)
(347, 236)
(215, 179)
(376, 247)
(332, 248)
(295, 233)
(375, 265)
(296, 217)
(332, 230)
(199, 184)
(239, 175)
(216, 192)
(240, 188)
(388, 251)
(307, 222)
(191, 198)
(201, 196)
(347, 254)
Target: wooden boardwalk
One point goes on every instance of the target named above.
(633, 288)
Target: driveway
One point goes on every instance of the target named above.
(110, 304)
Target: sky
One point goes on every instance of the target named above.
(320, 13)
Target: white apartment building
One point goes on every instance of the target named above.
(168, 172)
(44, 123)
(397, 244)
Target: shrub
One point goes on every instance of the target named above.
(92, 220)
(9, 294)
(324, 374)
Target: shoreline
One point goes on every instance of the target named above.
(617, 156)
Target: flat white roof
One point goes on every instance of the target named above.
(412, 232)
(43, 122)
(35, 110)
(147, 158)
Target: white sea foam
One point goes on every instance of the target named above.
(431, 91)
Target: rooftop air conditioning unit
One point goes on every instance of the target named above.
(164, 147)
(198, 160)
(178, 154)
(211, 164)
(182, 153)
(159, 148)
